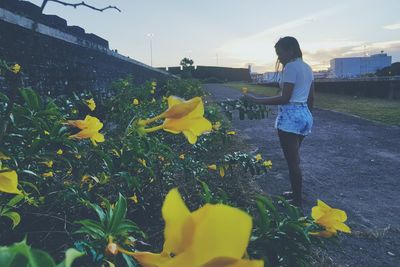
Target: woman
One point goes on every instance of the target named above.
(294, 119)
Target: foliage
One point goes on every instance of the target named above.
(186, 62)
(245, 108)
(22, 255)
(112, 226)
(282, 234)
(62, 173)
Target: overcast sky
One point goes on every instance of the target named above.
(236, 33)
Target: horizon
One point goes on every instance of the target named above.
(245, 36)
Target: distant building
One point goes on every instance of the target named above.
(266, 77)
(358, 66)
(321, 74)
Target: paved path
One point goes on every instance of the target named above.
(348, 162)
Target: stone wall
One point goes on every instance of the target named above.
(57, 58)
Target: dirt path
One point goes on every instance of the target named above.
(349, 163)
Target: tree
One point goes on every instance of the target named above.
(76, 5)
(392, 70)
(186, 62)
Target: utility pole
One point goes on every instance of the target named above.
(151, 35)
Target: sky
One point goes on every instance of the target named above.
(236, 33)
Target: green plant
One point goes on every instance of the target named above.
(22, 255)
(281, 236)
(112, 226)
(6, 210)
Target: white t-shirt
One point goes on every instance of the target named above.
(300, 74)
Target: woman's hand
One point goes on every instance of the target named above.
(249, 97)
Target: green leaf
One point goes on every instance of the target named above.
(31, 98)
(4, 98)
(119, 213)
(100, 212)
(129, 261)
(15, 200)
(70, 256)
(12, 256)
(14, 216)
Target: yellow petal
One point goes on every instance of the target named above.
(91, 104)
(147, 259)
(342, 227)
(196, 125)
(323, 206)
(3, 156)
(230, 262)
(221, 171)
(316, 213)
(175, 214)
(178, 107)
(217, 231)
(212, 167)
(190, 136)
(98, 137)
(9, 182)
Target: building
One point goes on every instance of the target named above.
(358, 66)
(266, 77)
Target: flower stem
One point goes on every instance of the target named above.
(153, 129)
(130, 253)
(148, 121)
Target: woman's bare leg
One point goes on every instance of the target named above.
(290, 144)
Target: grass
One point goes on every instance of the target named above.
(375, 109)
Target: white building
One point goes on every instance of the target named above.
(357, 66)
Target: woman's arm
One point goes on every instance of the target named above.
(310, 100)
(274, 100)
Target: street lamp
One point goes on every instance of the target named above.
(151, 35)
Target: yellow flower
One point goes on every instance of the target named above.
(152, 91)
(258, 157)
(143, 162)
(46, 133)
(332, 219)
(267, 164)
(212, 167)
(78, 156)
(85, 178)
(221, 171)
(9, 182)
(217, 126)
(245, 90)
(231, 132)
(91, 104)
(48, 163)
(135, 102)
(60, 152)
(48, 174)
(182, 117)
(90, 127)
(134, 198)
(16, 68)
(153, 84)
(4, 156)
(214, 235)
(182, 156)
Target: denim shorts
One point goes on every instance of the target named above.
(294, 118)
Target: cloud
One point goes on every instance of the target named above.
(392, 26)
(258, 47)
(319, 58)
